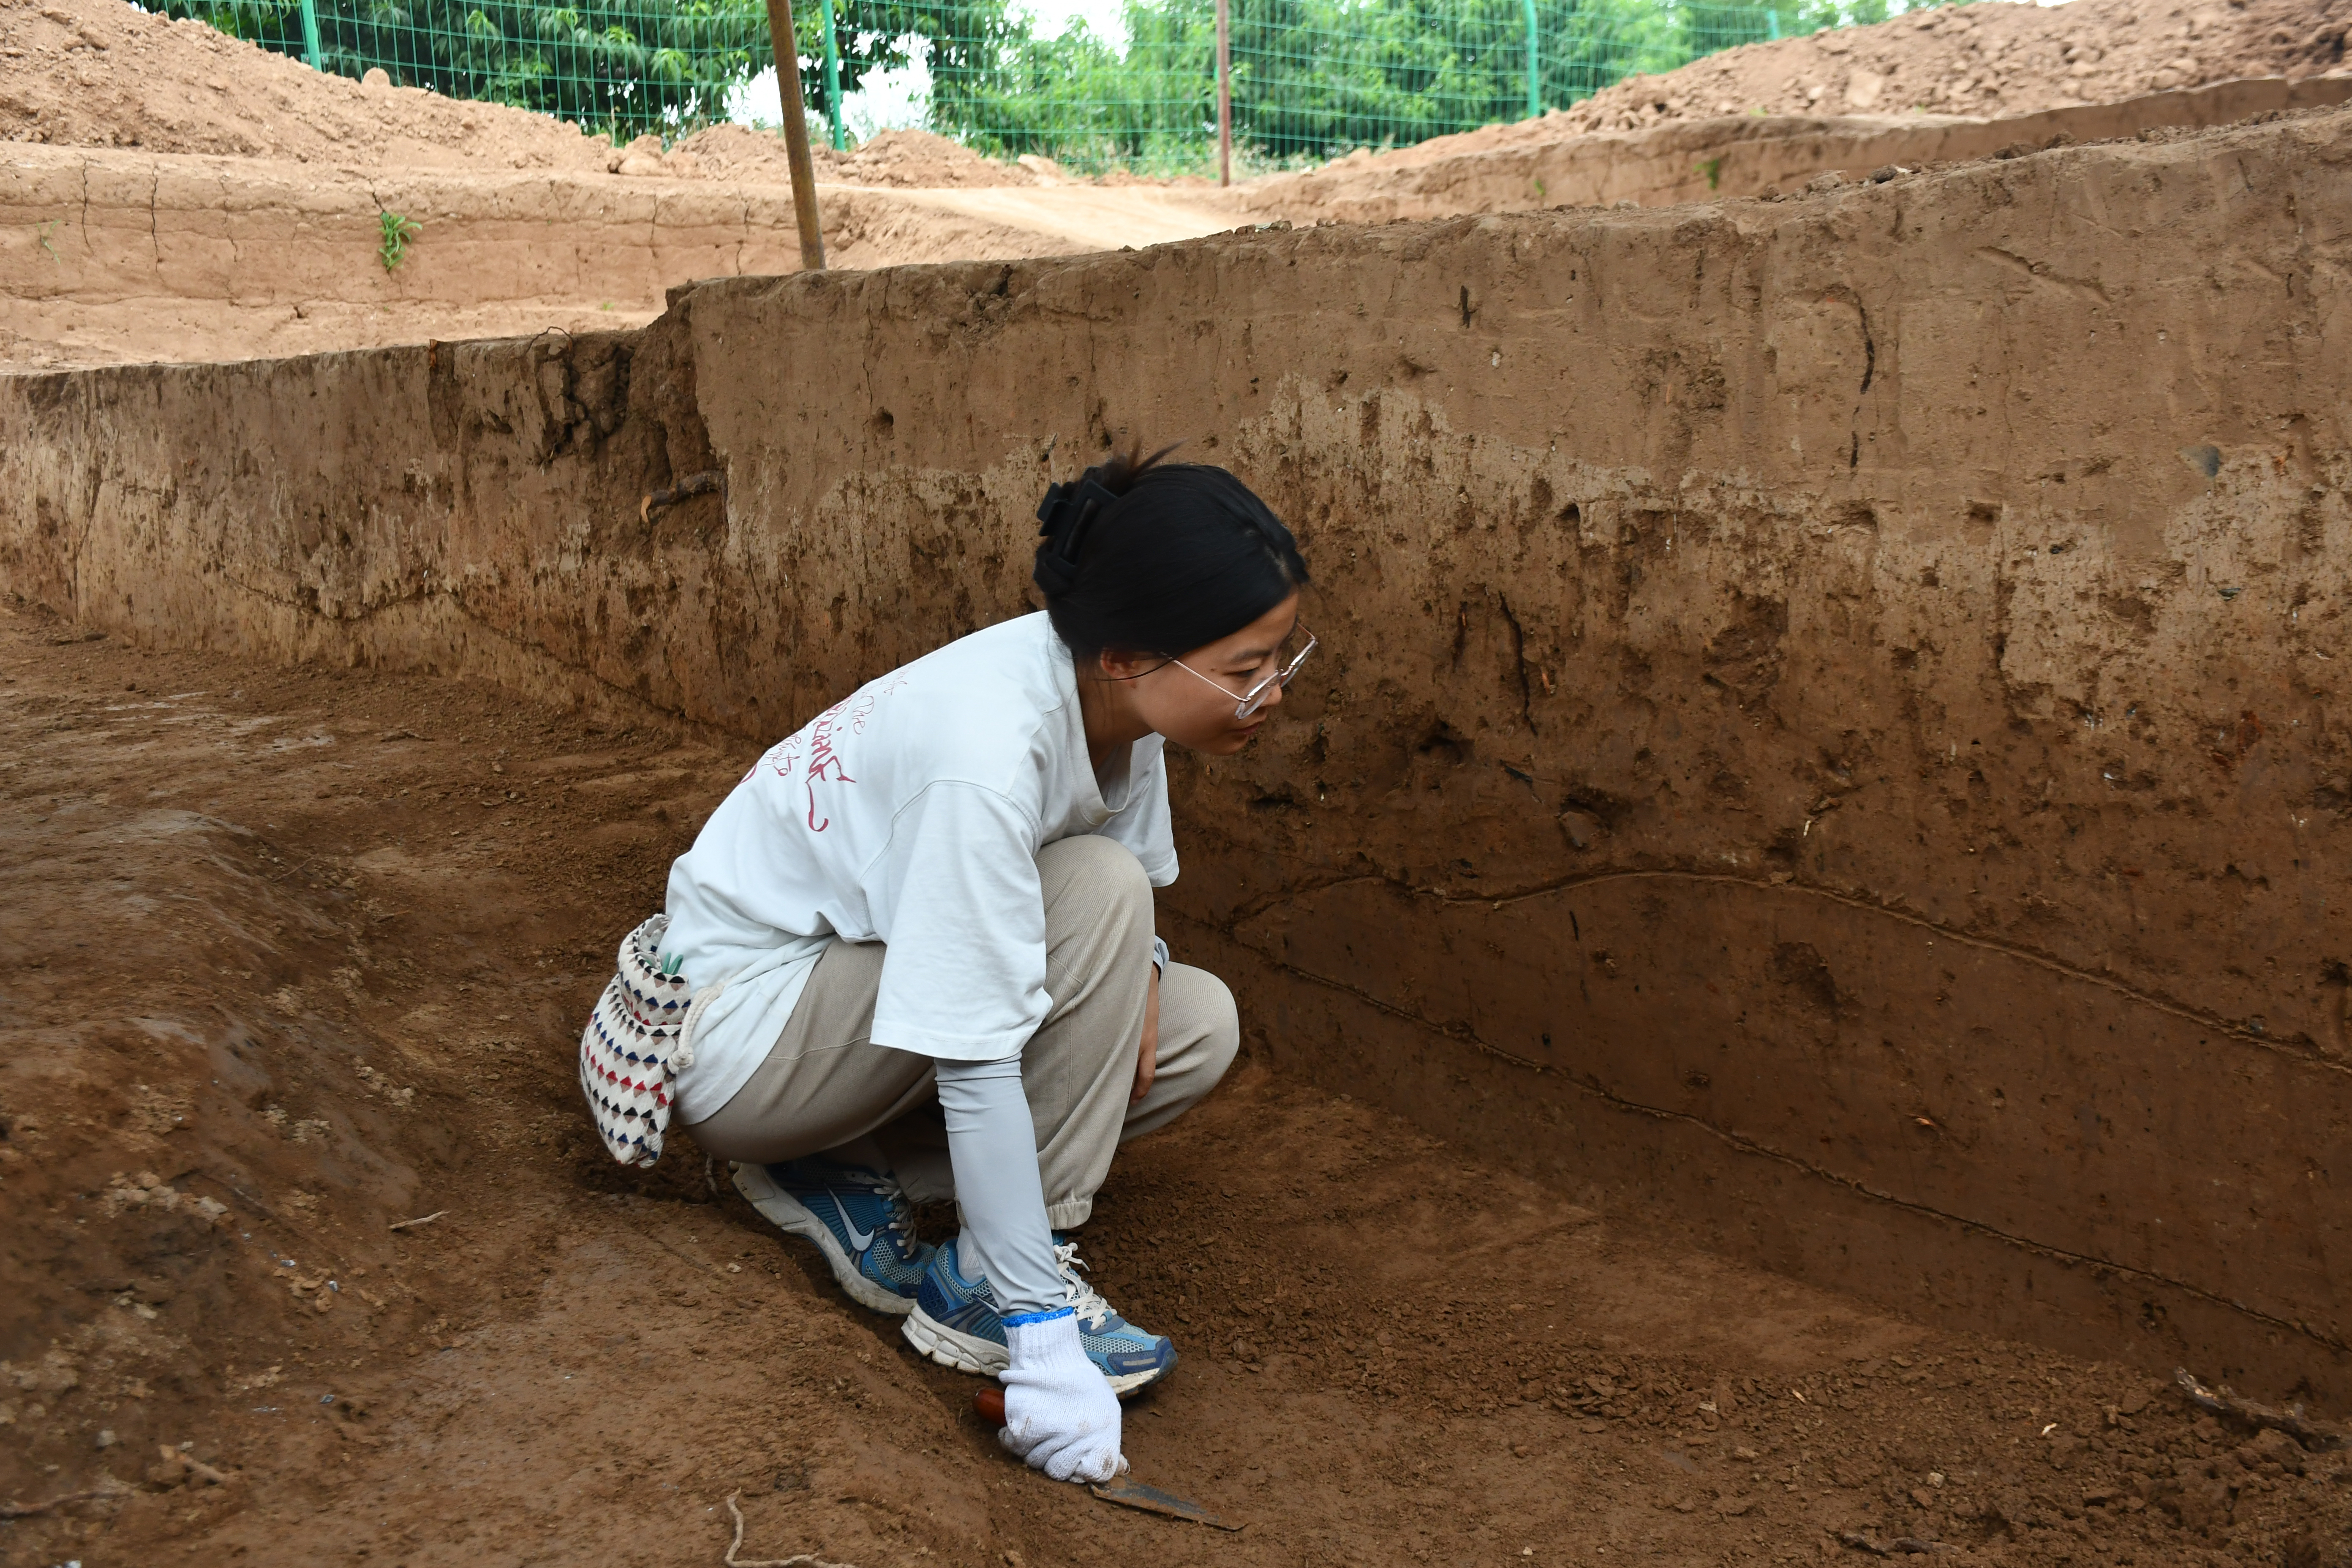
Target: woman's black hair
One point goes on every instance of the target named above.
(1154, 558)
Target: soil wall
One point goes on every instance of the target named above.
(1828, 733)
(113, 254)
(1519, 168)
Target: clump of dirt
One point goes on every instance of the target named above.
(917, 159)
(298, 957)
(1981, 60)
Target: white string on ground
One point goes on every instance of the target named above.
(805, 1560)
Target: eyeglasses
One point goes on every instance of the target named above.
(1254, 698)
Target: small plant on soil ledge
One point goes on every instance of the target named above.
(397, 232)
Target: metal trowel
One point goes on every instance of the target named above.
(990, 1404)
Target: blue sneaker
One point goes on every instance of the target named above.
(859, 1220)
(955, 1323)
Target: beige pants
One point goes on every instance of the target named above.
(827, 1087)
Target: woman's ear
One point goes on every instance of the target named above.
(1126, 664)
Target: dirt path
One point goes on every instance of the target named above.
(298, 955)
(1090, 217)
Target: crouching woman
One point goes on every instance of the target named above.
(911, 956)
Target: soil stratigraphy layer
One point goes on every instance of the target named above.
(299, 956)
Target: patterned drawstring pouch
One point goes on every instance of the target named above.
(636, 1043)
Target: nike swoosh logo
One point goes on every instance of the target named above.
(859, 1240)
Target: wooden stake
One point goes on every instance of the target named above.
(1225, 93)
(785, 42)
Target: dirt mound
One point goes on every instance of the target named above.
(1981, 60)
(915, 158)
(1988, 60)
(99, 73)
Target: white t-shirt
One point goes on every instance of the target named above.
(911, 812)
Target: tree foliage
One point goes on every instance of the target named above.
(1314, 78)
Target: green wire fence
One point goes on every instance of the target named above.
(1308, 78)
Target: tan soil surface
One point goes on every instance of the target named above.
(298, 954)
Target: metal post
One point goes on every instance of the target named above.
(786, 44)
(1772, 15)
(310, 34)
(831, 74)
(1225, 93)
(1534, 65)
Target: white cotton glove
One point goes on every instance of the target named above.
(1060, 1415)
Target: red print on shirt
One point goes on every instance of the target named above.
(781, 756)
(825, 762)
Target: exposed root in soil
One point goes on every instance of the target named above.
(2316, 1435)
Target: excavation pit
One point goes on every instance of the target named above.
(1785, 954)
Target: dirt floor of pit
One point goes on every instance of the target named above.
(298, 954)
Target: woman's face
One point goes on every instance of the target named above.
(1192, 702)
